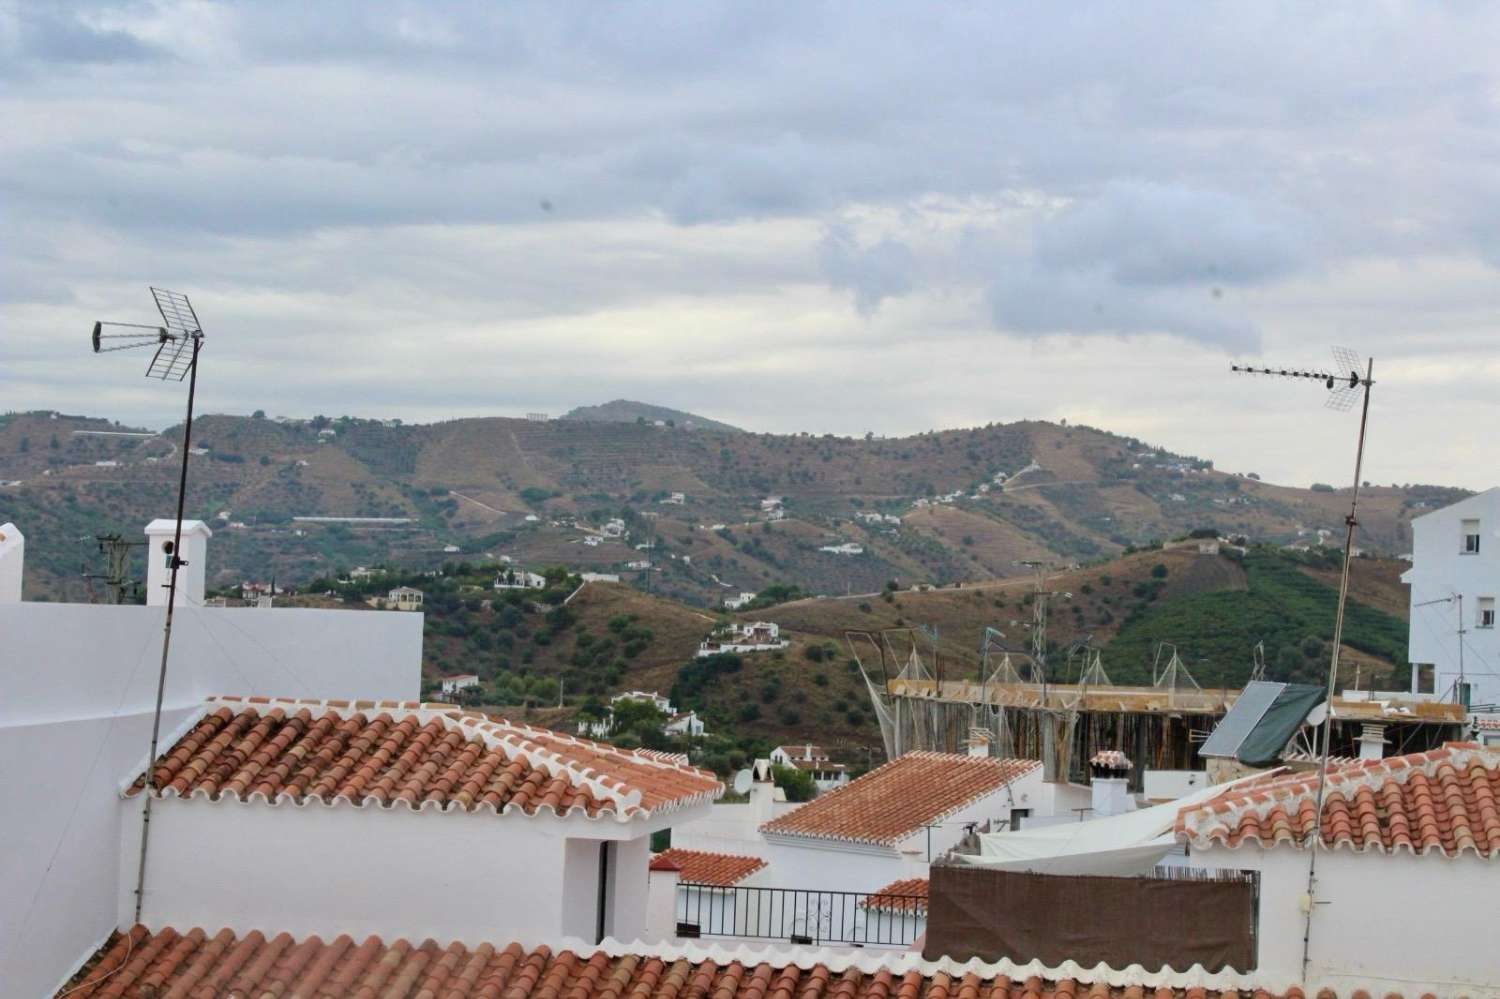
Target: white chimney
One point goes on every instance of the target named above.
(1109, 783)
(194, 553)
(12, 559)
(762, 793)
(1371, 741)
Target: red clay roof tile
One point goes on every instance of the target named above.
(896, 800)
(415, 755)
(720, 870)
(173, 965)
(905, 895)
(1445, 800)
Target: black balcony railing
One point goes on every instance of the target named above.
(801, 916)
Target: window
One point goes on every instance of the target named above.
(1471, 537)
(1486, 612)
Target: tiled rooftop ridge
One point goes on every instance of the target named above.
(169, 964)
(905, 895)
(928, 787)
(280, 750)
(1445, 800)
(702, 867)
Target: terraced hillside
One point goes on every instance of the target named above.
(940, 507)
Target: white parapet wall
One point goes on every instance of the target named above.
(12, 559)
(77, 686)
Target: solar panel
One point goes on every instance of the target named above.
(1239, 721)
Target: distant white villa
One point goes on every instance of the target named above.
(462, 681)
(735, 603)
(677, 722)
(760, 636)
(847, 548)
(404, 598)
(519, 579)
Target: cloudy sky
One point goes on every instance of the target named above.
(825, 217)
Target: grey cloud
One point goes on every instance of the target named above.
(873, 273)
(1152, 234)
(1036, 302)
(48, 33)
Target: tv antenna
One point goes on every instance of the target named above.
(178, 341)
(1343, 381)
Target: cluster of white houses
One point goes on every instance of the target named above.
(756, 636)
(315, 830)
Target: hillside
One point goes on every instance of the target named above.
(545, 659)
(626, 411)
(940, 507)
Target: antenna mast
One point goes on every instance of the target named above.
(177, 341)
(1343, 383)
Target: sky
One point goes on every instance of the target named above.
(823, 217)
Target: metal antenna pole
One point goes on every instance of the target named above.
(1342, 382)
(166, 636)
(177, 341)
(1316, 833)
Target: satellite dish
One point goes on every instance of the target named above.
(743, 782)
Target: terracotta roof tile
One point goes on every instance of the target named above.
(896, 800)
(718, 869)
(1445, 800)
(905, 895)
(173, 965)
(389, 753)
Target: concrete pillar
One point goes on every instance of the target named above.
(190, 577)
(661, 899)
(12, 561)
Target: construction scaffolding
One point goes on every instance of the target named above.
(1159, 727)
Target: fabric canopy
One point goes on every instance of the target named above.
(1131, 843)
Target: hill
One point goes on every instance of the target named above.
(549, 654)
(828, 515)
(626, 411)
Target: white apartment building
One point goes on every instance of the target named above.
(1455, 581)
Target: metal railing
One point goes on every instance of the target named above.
(800, 915)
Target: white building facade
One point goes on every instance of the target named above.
(1455, 583)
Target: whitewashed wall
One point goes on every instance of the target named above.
(77, 685)
(1440, 569)
(1394, 923)
(468, 876)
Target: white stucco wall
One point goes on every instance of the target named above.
(77, 685)
(1394, 923)
(473, 877)
(1440, 569)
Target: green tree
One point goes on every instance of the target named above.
(796, 784)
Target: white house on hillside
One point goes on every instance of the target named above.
(676, 723)
(519, 579)
(404, 598)
(759, 636)
(1455, 582)
(458, 682)
(826, 774)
